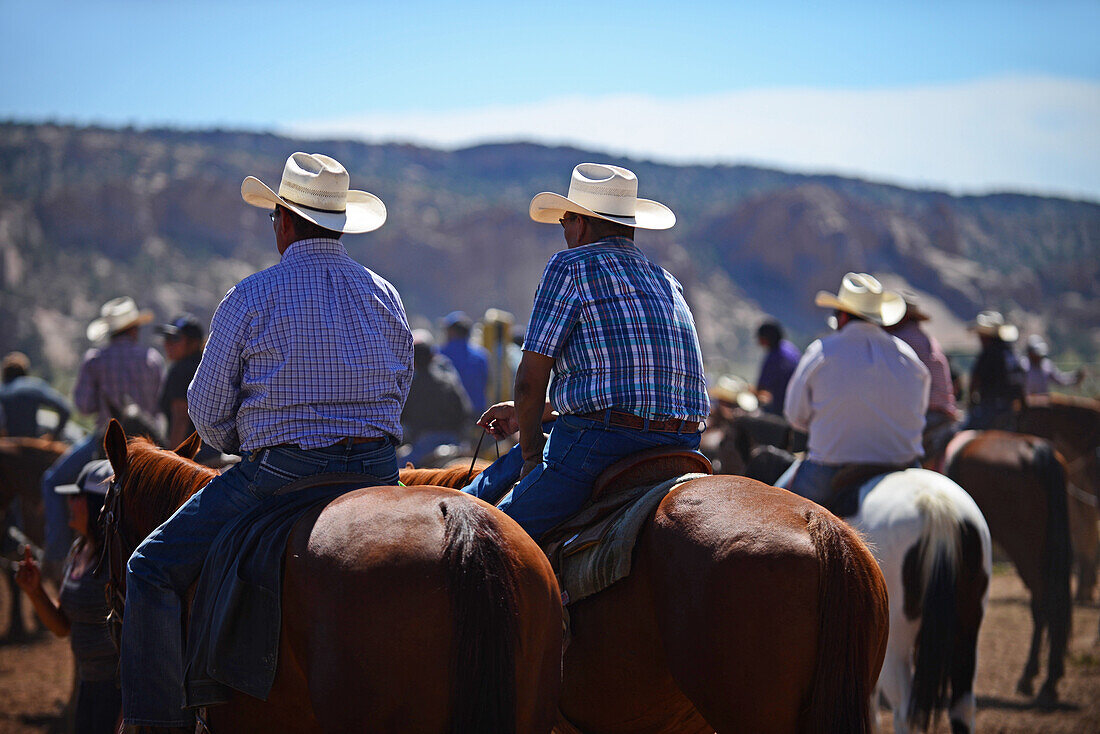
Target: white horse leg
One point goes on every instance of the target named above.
(963, 714)
(895, 680)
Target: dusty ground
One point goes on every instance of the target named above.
(35, 677)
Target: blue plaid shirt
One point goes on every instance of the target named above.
(620, 333)
(309, 351)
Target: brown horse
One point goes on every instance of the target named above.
(23, 461)
(404, 609)
(1019, 483)
(748, 608)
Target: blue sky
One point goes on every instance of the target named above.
(967, 96)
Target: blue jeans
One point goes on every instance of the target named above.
(167, 562)
(576, 453)
(56, 510)
(809, 479)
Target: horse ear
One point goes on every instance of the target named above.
(114, 444)
(190, 446)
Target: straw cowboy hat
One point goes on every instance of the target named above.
(734, 391)
(992, 323)
(117, 314)
(315, 187)
(604, 192)
(862, 295)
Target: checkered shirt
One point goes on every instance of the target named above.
(309, 351)
(119, 374)
(620, 333)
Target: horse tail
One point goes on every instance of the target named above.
(1057, 555)
(929, 575)
(482, 585)
(852, 629)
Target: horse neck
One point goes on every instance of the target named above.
(157, 487)
(455, 477)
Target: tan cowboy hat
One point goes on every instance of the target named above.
(992, 323)
(735, 391)
(862, 295)
(117, 314)
(315, 187)
(605, 192)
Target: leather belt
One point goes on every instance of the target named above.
(342, 442)
(629, 420)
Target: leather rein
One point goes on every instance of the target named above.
(115, 552)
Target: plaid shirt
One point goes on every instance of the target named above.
(121, 373)
(309, 351)
(620, 333)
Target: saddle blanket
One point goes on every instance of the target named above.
(595, 548)
(236, 616)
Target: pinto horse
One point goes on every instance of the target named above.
(1020, 484)
(934, 549)
(404, 609)
(747, 608)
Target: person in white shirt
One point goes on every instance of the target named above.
(1039, 371)
(860, 393)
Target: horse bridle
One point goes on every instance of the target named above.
(115, 553)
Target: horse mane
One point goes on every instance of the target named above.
(454, 477)
(157, 482)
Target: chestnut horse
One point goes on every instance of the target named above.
(403, 609)
(748, 609)
(23, 461)
(1019, 483)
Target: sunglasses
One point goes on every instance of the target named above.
(569, 217)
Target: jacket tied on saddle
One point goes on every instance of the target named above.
(594, 548)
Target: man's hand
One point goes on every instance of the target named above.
(500, 421)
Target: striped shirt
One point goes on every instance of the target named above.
(310, 351)
(620, 333)
(119, 374)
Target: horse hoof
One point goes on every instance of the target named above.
(1025, 688)
(1047, 698)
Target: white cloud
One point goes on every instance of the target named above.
(1031, 134)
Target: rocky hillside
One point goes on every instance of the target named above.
(87, 214)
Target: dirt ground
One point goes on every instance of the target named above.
(35, 678)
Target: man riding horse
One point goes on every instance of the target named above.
(620, 339)
(859, 392)
(305, 372)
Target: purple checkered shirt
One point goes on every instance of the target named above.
(620, 333)
(119, 374)
(309, 351)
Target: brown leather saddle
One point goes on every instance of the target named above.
(649, 467)
(846, 483)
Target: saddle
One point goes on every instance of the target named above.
(593, 549)
(843, 500)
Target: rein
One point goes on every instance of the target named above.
(477, 452)
(115, 555)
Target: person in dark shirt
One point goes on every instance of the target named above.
(22, 396)
(437, 410)
(997, 378)
(183, 342)
(777, 368)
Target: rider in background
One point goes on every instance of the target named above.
(22, 396)
(306, 369)
(996, 379)
(123, 372)
(942, 412)
(437, 411)
(777, 368)
(860, 393)
(469, 359)
(615, 330)
(1040, 371)
(81, 610)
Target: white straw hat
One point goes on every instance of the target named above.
(117, 314)
(992, 323)
(606, 192)
(862, 295)
(315, 187)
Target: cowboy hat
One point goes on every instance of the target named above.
(315, 187)
(1036, 345)
(117, 314)
(604, 192)
(734, 391)
(992, 323)
(863, 296)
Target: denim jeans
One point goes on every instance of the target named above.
(808, 479)
(577, 451)
(56, 510)
(167, 562)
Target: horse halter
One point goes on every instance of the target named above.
(115, 554)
